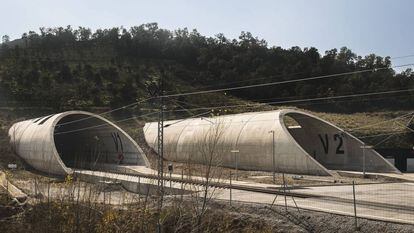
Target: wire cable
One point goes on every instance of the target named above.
(104, 113)
(285, 82)
(382, 122)
(105, 124)
(293, 97)
(383, 134)
(300, 100)
(224, 84)
(393, 134)
(192, 116)
(253, 79)
(287, 75)
(402, 57)
(204, 113)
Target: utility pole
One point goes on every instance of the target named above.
(160, 186)
(236, 161)
(364, 146)
(355, 212)
(273, 155)
(363, 160)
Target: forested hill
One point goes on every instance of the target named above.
(67, 68)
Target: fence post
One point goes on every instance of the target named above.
(230, 189)
(139, 190)
(182, 184)
(171, 183)
(139, 185)
(284, 190)
(35, 187)
(355, 213)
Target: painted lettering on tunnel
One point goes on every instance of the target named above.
(338, 142)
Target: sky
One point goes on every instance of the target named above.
(383, 27)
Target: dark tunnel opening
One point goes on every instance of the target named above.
(86, 142)
(332, 147)
(326, 144)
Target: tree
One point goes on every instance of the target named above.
(5, 39)
(208, 150)
(119, 62)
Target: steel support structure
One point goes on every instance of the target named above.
(160, 150)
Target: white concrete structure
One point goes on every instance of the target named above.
(303, 143)
(58, 143)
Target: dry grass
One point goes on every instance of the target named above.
(59, 216)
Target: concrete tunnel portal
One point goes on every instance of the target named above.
(93, 146)
(62, 142)
(330, 146)
(304, 144)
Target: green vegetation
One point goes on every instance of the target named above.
(67, 68)
(72, 216)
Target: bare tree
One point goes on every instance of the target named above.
(209, 151)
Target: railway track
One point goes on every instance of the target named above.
(272, 190)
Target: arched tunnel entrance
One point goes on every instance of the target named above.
(332, 147)
(57, 143)
(88, 142)
(284, 140)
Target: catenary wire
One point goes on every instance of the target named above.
(105, 124)
(300, 100)
(284, 82)
(104, 113)
(290, 97)
(382, 122)
(244, 87)
(196, 115)
(287, 75)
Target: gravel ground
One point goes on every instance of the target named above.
(308, 221)
(276, 217)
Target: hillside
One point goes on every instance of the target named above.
(64, 68)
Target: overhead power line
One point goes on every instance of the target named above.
(104, 124)
(263, 85)
(284, 75)
(372, 99)
(191, 116)
(384, 134)
(250, 105)
(300, 100)
(104, 113)
(401, 57)
(390, 136)
(285, 82)
(383, 122)
(253, 79)
(258, 105)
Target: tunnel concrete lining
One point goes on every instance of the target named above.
(309, 146)
(59, 143)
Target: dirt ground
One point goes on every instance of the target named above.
(309, 221)
(267, 177)
(240, 217)
(252, 176)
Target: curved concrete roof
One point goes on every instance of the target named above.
(35, 140)
(310, 146)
